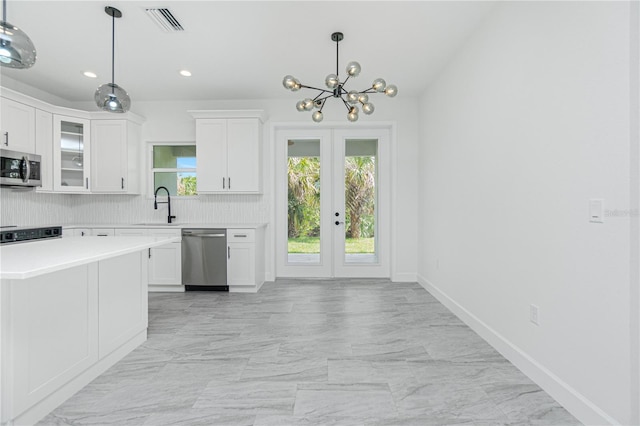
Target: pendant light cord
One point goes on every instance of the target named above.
(113, 49)
(4, 11)
(337, 58)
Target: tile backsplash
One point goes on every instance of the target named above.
(26, 208)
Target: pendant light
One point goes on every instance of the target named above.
(335, 89)
(16, 48)
(111, 97)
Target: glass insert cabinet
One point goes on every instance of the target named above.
(71, 154)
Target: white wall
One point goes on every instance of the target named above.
(169, 121)
(528, 122)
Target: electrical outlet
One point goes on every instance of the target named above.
(533, 314)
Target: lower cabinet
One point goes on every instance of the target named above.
(62, 329)
(245, 270)
(165, 262)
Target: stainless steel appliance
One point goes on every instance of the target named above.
(14, 234)
(19, 169)
(204, 259)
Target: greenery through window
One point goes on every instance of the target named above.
(174, 167)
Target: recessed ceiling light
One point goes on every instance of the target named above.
(90, 74)
(185, 73)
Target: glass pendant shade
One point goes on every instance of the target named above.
(317, 116)
(16, 48)
(112, 98)
(391, 90)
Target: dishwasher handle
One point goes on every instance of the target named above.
(204, 235)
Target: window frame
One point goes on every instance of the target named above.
(151, 170)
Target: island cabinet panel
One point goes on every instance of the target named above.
(123, 300)
(54, 332)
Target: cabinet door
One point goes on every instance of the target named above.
(44, 148)
(241, 264)
(55, 333)
(211, 151)
(165, 264)
(243, 155)
(81, 232)
(17, 122)
(71, 154)
(103, 232)
(109, 156)
(130, 232)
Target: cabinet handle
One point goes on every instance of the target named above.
(102, 235)
(6, 138)
(229, 183)
(86, 182)
(228, 252)
(82, 233)
(240, 235)
(122, 181)
(149, 252)
(223, 187)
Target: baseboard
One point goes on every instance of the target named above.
(576, 403)
(178, 288)
(404, 277)
(243, 289)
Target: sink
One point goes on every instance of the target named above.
(157, 224)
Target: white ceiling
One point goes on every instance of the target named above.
(238, 49)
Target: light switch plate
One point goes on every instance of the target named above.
(596, 210)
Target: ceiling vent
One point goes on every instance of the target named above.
(165, 20)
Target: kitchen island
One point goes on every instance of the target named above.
(70, 308)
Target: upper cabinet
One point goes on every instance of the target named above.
(17, 124)
(71, 154)
(44, 148)
(81, 152)
(229, 151)
(114, 156)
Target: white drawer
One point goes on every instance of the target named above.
(157, 232)
(100, 232)
(241, 235)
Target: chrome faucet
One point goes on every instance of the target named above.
(168, 202)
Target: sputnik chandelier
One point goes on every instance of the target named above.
(351, 99)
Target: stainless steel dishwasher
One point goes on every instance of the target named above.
(204, 259)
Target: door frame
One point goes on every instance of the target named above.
(279, 153)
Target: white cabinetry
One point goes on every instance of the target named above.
(44, 148)
(71, 154)
(165, 262)
(245, 264)
(114, 156)
(57, 330)
(229, 151)
(57, 338)
(17, 123)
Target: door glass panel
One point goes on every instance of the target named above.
(303, 203)
(72, 154)
(360, 195)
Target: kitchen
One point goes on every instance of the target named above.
(414, 255)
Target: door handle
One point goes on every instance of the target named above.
(338, 222)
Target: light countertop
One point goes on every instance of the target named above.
(30, 259)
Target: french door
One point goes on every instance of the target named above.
(333, 195)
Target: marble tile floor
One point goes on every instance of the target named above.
(310, 352)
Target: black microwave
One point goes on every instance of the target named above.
(20, 169)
